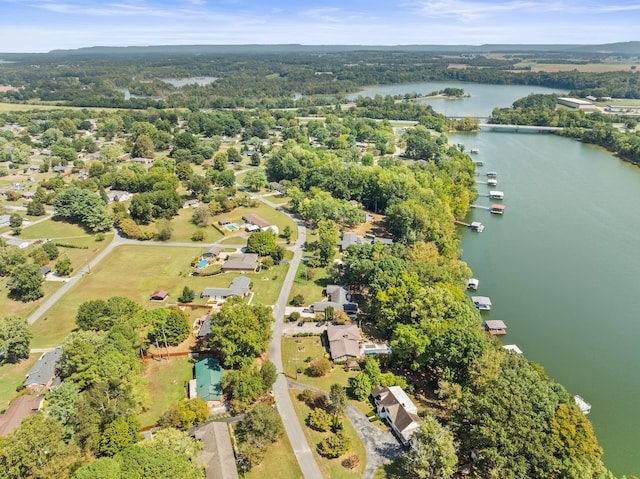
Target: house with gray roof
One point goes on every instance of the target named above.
(217, 452)
(239, 286)
(241, 262)
(43, 373)
(339, 299)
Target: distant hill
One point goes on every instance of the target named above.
(623, 48)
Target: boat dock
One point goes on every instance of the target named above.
(482, 303)
(495, 327)
(583, 405)
(497, 209)
(473, 284)
(480, 207)
(475, 226)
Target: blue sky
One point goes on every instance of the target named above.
(43, 25)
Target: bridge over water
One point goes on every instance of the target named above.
(507, 128)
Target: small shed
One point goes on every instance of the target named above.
(160, 295)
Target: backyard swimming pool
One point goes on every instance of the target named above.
(203, 263)
(231, 227)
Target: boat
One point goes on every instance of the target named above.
(583, 405)
(497, 209)
(479, 163)
(477, 226)
(495, 327)
(496, 195)
(482, 303)
(491, 174)
(473, 284)
(474, 151)
(492, 182)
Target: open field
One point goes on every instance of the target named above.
(12, 376)
(330, 468)
(586, 68)
(135, 271)
(279, 461)
(300, 349)
(310, 288)
(10, 307)
(166, 385)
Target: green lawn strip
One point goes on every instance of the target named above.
(279, 461)
(299, 349)
(183, 228)
(234, 239)
(166, 385)
(54, 229)
(136, 271)
(10, 307)
(278, 199)
(12, 376)
(390, 470)
(310, 288)
(330, 468)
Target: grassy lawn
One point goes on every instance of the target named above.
(234, 239)
(312, 289)
(12, 376)
(331, 468)
(279, 461)
(155, 267)
(390, 470)
(183, 228)
(279, 199)
(166, 384)
(302, 348)
(10, 307)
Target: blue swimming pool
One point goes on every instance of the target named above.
(203, 263)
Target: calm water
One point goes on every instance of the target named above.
(560, 266)
(481, 101)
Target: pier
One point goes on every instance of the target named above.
(520, 128)
(481, 207)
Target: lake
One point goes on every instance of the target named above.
(560, 265)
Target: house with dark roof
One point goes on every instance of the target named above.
(344, 341)
(43, 373)
(396, 408)
(339, 299)
(212, 252)
(159, 295)
(45, 270)
(209, 379)
(217, 452)
(240, 286)
(256, 220)
(19, 409)
(349, 239)
(241, 262)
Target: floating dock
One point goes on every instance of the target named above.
(512, 347)
(496, 195)
(482, 303)
(473, 284)
(495, 327)
(497, 209)
(491, 174)
(474, 151)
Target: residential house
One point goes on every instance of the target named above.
(217, 452)
(43, 373)
(351, 238)
(394, 406)
(205, 328)
(116, 196)
(339, 299)
(239, 287)
(19, 409)
(256, 220)
(212, 252)
(241, 262)
(19, 243)
(209, 379)
(191, 204)
(45, 270)
(142, 161)
(343, 341)
(5, 220)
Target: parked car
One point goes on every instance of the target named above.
(301, 323)
(320, 323)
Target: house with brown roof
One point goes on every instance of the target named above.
(394, 406)
(343, 341)
(241, 262)
(160, 295)
(22, 407)
(256, 220)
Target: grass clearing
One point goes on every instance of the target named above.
(10, 307)
(156, 267)
(390, 470)
(310, 288)
(330, 468)
(167, 384)
(183, 228)
(12, 377)
(279, 461)
(302, 348)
